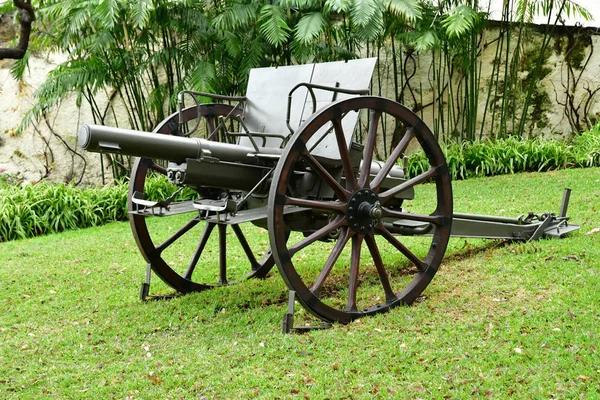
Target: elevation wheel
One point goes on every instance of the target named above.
(185, 250)
(366, 268)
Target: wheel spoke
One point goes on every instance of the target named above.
(354, 266)
(182, 231)
(326, 176)
(334, 206)
(344, 154)
(318, 234)
(391, 161)
(383, 276)
(431, 219)
(333, 257)
(199, 249)
(242, 239)
(388, 194)
(403, 249)
(369, 148)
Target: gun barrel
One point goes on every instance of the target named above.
(105, 139)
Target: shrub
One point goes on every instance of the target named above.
(28, 210)
(512, 155)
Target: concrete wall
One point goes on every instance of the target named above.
(566, 99)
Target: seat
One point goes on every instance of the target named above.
(266, 107)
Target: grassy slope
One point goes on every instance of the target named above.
(499, 319)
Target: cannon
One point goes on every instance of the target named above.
(300, 158)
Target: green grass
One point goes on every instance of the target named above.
(499, 319)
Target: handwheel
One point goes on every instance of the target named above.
(366, 268)
(176, 245)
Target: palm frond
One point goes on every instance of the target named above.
(108, 11)
(409, 9)
(372, 29)
(309, 27)
(363, 11)
(338, 5)
(273, 25)
(426, 41)
(139, 12)
(235, 16)
(459, 20)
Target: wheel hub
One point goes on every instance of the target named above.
(363, 210)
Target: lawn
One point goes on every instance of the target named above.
(499, 319)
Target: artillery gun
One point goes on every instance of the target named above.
(351, 231)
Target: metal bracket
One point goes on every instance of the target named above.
(288, 319)
(541, 228)
(145, 288)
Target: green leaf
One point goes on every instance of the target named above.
(108, 11)
(273, 25)
(372, 29)
(139, 12)
(363, 11)
(460, 20)
(426, 41)
(409, 9)
(236, 16)
(309, 27)
(338, 5)
(18, 68)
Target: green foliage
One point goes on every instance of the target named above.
(28, 210)
(459, 20)
(273, 25)
(512, 155)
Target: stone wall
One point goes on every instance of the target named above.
(564, 101)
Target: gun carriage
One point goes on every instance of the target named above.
(351, 232)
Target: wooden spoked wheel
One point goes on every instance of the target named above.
(176, 245)
(366, 268)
